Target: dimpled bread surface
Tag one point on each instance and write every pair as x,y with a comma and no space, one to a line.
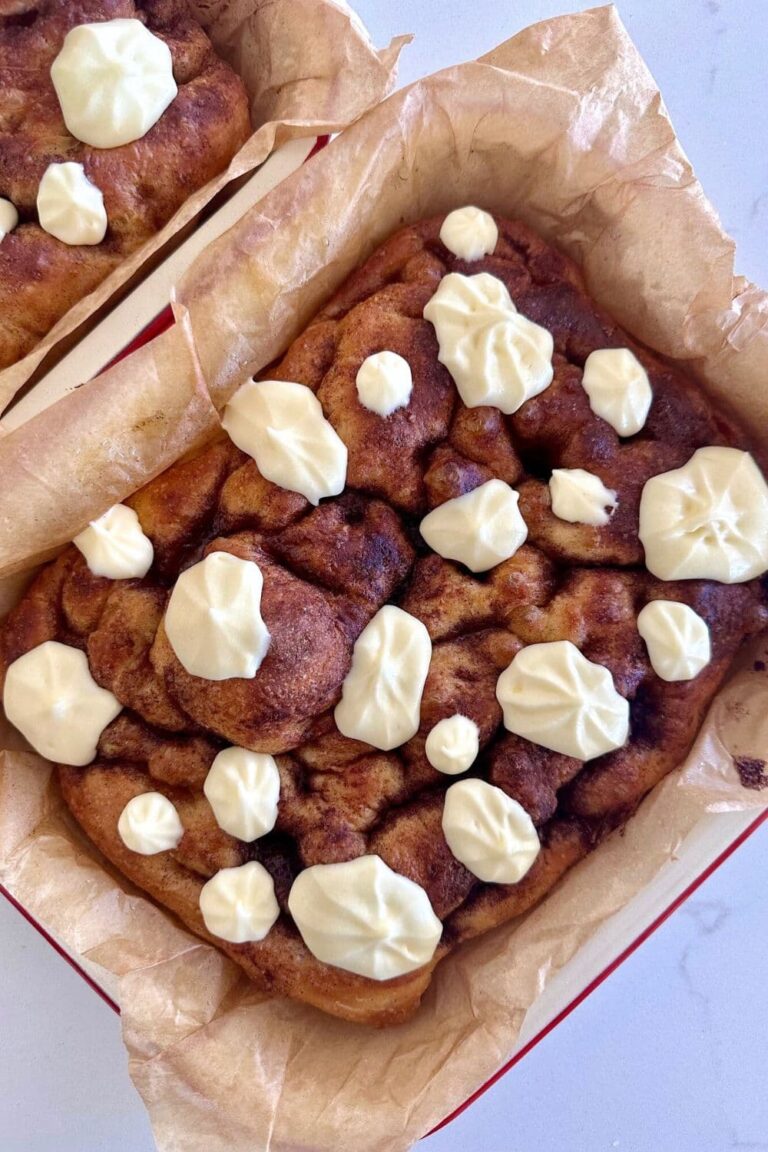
143,183
328,569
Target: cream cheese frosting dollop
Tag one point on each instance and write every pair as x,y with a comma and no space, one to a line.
9,217
707,520
488,832
677,639
149,824
580,497
239,904
363,917
479,529
69,206
213,619
282,426
384,383
469,233
554,696
243,788
452,744
495,355
114,79
381,695
115,546
53,700
618,388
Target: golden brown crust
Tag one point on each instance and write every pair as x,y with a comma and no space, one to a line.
143,183
309,656
327,570
119,653
280,963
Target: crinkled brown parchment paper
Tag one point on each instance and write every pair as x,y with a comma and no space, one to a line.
309,68
563,126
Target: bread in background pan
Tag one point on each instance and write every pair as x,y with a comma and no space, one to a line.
143,183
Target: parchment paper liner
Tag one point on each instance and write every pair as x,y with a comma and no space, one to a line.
309,68
564,126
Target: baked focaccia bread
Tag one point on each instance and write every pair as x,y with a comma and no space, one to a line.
141,183
451,593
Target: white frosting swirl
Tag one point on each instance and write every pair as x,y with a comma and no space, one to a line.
9,217
381,695
384,383
282,426
453,744
707,520
479,529
53,700
496,356
115,546
69,206
114,80
243,788
470,233
677,639
618,388
580,497
552,695
488,832
213,619
239,904
149,824
363,917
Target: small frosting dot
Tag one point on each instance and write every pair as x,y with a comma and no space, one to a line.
580,497
69,206
469,233
384,383
239,904
9,217
618,388
243,789
149,824
677,639
115,546
453,744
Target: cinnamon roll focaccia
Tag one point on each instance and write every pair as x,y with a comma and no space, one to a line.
142,182
447,598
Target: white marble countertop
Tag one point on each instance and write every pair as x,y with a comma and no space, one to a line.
669,1053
